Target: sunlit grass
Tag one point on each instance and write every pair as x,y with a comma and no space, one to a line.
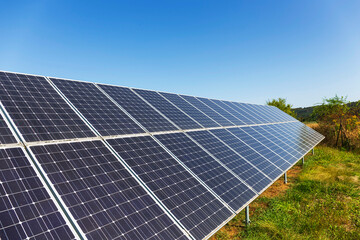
322,202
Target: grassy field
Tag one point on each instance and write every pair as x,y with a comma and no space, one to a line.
321,201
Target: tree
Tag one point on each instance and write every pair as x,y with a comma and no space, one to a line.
340,121
281,104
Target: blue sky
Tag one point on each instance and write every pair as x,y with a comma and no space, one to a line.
247,51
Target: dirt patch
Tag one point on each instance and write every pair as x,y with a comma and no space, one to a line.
278,187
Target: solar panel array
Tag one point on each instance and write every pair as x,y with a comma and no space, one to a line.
80,160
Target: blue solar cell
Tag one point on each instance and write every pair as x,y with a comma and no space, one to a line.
190,110
190,202
6,135
259,111
26,209
169,110
141,111
38,110
247,172
260,147
209,170
207,110
98,109
105,200
248,153
222,112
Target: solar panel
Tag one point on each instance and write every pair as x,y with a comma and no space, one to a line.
248,153
244,117
26,209
38,111
238,165
190,110
6,136
252,119
169,110
108,162
222,112
279,139
207,110
99,110
255,133
190,202
260,148
211,172
102,196
137,108
242,107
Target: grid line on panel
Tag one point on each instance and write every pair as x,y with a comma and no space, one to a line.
260,147
96,108
38,111
26,209
248,153
224,113
222,182
190,110
238,165
207,110
188,200
257,109
102,196
167,109
138,109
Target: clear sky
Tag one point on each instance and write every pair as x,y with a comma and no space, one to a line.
247,51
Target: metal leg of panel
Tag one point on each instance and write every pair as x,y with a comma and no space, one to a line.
247,217
285,178
313,152
303,160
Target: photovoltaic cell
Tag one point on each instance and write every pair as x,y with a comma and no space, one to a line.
38,110
105,200
260,147
248,108
26,209
190,202
207,110
221,111
6,135
210,171
138,109
98,109
169,110
247,172
258,110
248,153
190,110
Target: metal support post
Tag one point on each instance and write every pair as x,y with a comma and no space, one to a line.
303,160
313,152
247,218
285,178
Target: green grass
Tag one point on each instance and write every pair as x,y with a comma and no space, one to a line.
323,202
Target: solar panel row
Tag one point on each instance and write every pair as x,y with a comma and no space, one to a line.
190,177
